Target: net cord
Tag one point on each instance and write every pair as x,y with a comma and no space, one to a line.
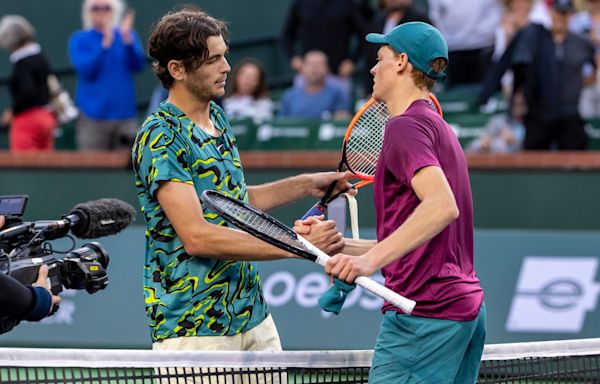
122,358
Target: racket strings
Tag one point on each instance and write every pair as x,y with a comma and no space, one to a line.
366,139
256,221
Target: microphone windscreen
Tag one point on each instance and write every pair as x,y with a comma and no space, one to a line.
102,217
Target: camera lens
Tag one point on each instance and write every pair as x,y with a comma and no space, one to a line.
93,251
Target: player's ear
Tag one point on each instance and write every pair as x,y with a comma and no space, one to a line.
401,61
176,69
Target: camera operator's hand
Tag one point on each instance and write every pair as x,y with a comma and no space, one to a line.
42,281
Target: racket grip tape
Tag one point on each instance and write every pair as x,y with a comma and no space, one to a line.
315,210
406,305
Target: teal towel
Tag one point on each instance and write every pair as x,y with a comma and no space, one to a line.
333,299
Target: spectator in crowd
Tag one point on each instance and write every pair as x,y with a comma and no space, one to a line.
504,132
587,23
518,14
317,99
468,27
247,95
31,120
550,68
327,26
105,55
516,17
391,14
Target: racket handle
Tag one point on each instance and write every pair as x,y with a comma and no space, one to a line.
315,210
406,305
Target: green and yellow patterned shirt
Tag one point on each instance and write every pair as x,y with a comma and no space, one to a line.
191,295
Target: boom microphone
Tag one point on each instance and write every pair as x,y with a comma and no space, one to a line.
100,218
89,220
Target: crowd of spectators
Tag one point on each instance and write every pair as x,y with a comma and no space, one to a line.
542,53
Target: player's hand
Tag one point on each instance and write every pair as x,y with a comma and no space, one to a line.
321,233
302,227
322,180
42,281
347,268
2,221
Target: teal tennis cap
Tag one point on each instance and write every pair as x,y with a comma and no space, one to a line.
420,41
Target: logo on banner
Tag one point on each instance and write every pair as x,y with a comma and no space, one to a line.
267,132
283,288
554,294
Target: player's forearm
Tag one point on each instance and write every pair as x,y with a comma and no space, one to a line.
277,193
428,219
357,247
223,243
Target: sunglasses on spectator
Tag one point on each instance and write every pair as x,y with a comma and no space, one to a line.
101,8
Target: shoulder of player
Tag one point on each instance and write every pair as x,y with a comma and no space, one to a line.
160,125
416,123
412,118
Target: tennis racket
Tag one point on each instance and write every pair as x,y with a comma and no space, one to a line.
361,147
267,228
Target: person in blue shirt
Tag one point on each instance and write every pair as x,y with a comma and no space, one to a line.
106,54
317,98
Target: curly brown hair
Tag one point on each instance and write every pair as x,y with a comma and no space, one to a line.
183,36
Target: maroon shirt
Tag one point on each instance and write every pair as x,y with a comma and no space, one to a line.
439,274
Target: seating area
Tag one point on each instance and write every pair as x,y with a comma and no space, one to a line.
459,107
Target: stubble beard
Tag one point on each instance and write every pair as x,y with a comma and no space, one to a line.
200,92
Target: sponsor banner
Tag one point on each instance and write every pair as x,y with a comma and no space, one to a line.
551,295
554,294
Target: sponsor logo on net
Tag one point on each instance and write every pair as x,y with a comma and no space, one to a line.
554,294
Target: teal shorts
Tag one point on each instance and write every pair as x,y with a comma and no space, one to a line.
412,349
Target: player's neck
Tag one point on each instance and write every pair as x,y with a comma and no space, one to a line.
403,98
197,110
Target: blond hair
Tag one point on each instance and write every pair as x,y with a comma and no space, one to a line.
118,8
15,32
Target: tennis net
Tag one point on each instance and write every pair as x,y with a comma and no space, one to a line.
571,361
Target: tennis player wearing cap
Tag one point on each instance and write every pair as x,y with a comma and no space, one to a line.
424,224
